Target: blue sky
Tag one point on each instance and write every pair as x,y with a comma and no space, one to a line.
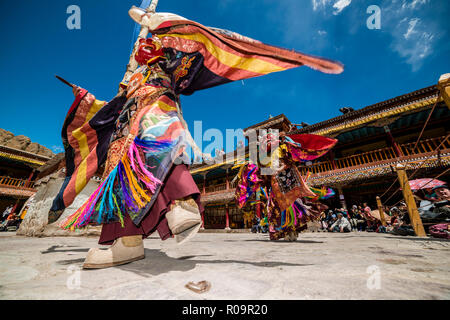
410,51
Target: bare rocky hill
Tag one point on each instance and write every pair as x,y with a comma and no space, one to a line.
23,143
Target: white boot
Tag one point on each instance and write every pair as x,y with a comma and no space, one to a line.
123,250
184,220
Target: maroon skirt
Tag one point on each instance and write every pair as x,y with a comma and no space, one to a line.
179,184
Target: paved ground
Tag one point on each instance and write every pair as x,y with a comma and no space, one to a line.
238,266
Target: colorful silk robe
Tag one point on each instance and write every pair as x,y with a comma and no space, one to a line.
86,134
149,135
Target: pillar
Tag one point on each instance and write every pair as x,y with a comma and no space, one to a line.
203,221
227,217
444,88
414,216
13,210
333,163
342,198
381,211
204,184
394,144
29,179
258,204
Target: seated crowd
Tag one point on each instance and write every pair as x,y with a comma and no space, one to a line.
433,206
10,219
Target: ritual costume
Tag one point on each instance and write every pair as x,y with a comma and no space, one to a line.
288,202
141,138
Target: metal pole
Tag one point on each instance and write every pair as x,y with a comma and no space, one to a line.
414,216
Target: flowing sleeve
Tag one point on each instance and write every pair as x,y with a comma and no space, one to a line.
86,133
203,57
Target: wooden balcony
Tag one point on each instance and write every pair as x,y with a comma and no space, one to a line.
380,155
218,188
425,146
16,183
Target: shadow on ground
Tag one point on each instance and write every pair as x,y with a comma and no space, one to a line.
52,249
277,242
157,262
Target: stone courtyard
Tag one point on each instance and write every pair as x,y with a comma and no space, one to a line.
238,266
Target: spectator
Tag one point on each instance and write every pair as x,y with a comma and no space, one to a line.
442,193
352,217
24,213
370,221
341,224
403,219
402,207
361,224
394,211
11,221
429,194
366,209
6,212
323,221
442,206
256,228
401,223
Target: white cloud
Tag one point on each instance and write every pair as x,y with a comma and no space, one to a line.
416,50
413,4
338,5
317,4
412,25
341,5
413,38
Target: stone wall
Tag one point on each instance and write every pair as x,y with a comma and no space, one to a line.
35,222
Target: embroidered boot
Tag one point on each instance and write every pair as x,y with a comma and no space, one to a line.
184,220
124,250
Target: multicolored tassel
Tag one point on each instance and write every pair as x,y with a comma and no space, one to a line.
322,193
126,190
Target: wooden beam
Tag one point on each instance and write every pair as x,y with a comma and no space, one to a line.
414,216
381,211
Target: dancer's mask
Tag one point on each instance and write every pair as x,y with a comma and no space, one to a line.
149,51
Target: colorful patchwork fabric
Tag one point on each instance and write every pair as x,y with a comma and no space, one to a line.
248,184
155,140
308,147
219,56
86,134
